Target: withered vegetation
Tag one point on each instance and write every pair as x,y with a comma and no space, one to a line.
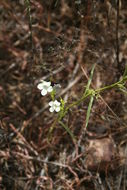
60,40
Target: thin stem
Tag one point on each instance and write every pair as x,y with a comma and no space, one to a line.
30,21
79,101
108,87
117,38
112,85
92,92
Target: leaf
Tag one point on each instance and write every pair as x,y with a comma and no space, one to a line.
90,79
67,129
125,72
124,90
89,110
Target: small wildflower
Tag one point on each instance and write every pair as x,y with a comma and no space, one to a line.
45,87
54,106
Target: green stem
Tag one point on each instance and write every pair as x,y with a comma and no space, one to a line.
91,92
79,101
110,86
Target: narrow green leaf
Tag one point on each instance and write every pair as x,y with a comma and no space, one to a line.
123,90
125,72
67,129
56,3
90,79
89,110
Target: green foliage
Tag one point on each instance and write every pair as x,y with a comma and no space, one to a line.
125,72
67,129
89,110
62,110
89,92
90,80
53,93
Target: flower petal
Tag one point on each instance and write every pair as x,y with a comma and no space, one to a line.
57,103
51,109
50,89
47,84
40,86
43,92
51,103
57,109
44,82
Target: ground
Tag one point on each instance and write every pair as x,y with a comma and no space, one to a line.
60,41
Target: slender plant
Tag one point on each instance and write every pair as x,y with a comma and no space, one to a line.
62,107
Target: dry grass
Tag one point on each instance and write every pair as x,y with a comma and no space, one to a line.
67,39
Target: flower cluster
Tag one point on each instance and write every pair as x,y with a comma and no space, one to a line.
45,88
54,106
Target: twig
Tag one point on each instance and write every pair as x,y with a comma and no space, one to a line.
119,180
23,139
54,72
28,6
70,85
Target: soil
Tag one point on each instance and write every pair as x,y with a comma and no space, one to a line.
60,41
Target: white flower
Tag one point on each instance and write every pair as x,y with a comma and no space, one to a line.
54,106
45,87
